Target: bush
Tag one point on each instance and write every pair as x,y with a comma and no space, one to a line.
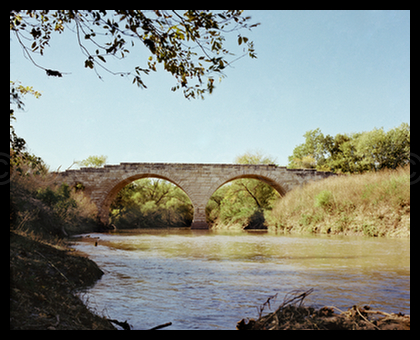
59,200
324,199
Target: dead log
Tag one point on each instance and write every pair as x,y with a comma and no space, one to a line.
161,326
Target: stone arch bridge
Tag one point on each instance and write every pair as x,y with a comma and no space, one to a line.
198,181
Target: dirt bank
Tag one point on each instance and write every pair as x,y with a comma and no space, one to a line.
43,280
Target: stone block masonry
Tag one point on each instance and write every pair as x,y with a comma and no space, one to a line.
198,181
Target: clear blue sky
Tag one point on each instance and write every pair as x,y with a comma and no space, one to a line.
341,71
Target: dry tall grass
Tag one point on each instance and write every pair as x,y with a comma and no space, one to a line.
30,214
372,204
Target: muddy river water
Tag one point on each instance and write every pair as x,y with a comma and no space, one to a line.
212,279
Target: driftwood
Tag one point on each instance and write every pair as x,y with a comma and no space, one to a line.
124,324
161,326
292,314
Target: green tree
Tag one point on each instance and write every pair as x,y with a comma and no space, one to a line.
398,140
254,157
310,154
378,149
190,44
93,161
356,153
151,203
371,150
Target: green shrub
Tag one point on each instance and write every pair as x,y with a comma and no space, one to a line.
324,199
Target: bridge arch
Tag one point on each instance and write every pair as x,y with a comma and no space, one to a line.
114,188
281,188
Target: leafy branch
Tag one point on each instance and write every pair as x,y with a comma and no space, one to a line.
190,45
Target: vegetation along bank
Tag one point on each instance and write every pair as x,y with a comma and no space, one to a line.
370,204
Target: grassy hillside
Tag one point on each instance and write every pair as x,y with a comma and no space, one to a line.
371,204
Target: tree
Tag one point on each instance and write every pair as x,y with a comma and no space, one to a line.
310,154
151,203
18,151
254,157
17,91
378,149
356,153
189,44
398,140
93,161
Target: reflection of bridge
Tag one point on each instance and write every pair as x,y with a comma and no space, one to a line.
198,181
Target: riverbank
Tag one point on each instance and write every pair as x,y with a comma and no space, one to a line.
371,204
43,282
293,315
44,272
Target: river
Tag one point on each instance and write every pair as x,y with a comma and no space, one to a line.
212,279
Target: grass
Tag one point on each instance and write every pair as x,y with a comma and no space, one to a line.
370,204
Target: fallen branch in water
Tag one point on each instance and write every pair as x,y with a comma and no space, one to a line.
124,324
161,326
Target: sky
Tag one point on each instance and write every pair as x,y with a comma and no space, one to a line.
340,71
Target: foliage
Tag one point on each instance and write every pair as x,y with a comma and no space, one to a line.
324,199
254,157
151,203
93,161
17,90
356,153
39,206
244,201
189,44
371,204
18,152
59,200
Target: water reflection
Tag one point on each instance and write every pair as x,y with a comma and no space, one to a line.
210,280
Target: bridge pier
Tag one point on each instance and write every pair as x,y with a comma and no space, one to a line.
199,221
199,225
